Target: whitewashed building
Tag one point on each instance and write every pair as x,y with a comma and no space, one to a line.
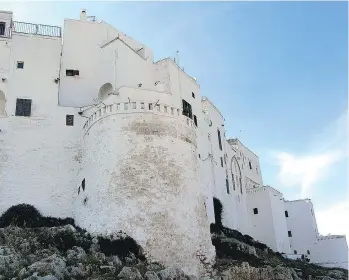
92,128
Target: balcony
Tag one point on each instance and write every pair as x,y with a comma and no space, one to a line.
31,28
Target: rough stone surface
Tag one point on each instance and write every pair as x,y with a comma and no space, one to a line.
150,275
130,273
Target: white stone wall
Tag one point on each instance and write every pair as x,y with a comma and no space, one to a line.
302,224
330,251
141,172
39,155
269,224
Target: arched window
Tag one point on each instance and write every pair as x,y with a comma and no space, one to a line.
2,103
104,91
235,169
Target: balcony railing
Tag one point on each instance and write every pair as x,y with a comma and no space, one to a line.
36,29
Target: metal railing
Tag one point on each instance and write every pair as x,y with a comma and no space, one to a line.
36,29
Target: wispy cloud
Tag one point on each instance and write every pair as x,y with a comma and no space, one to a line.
332,220
305,170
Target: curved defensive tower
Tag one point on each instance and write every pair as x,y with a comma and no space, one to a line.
140,175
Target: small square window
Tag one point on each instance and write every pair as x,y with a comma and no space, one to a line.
69,120
76,72
286,214
172,111
142,105
193,94
69,72
20,64
150,106
289,233
199,156
255,211
295,252
165,109
221,161
158,107
23,107
126,106
134,106
308,252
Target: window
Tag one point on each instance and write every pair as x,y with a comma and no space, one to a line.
158,107
69,120
219,139
199,156
240,185
227,185
83,184
134,105
71,72
255,211
23,107
225,160
165,109
286,214
232,176
187,111
20,64
193,94
142,105
295,251
221,161
2,28
150,106
195,120
289,233
249,163
308,252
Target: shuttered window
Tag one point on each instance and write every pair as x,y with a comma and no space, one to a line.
23,107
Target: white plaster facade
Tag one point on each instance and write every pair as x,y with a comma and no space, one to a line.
134,158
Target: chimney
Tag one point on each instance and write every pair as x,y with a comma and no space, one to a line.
83,16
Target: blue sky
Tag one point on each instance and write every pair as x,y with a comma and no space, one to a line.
278,71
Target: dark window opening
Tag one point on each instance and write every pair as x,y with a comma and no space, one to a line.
308,252
199,156
295,251
195,120
20,64
219,139
2,28
71,72
69,120
240,185
78,190
221,161
83,184
193,94
227,185
249,163
289,233
232,176
225,160
255,211
187,111
23,107
286,214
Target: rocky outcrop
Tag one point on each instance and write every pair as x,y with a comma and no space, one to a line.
39,251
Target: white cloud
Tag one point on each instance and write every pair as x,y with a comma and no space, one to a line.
304,171
332,220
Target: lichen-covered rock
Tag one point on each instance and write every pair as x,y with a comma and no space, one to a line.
150,275
9,261
171,273
76,254
130,273
54,265
107,269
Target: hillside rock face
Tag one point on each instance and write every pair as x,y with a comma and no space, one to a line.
64,252
33,247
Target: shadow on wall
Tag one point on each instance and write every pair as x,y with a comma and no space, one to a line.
218,211
104,91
